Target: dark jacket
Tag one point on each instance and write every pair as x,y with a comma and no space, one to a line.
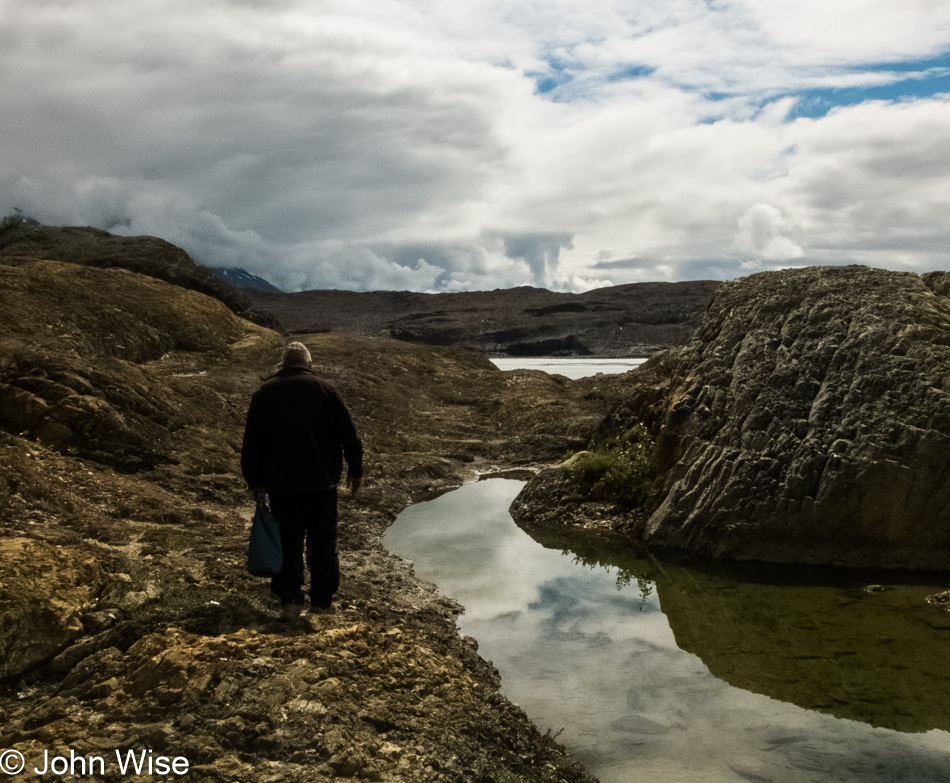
298,431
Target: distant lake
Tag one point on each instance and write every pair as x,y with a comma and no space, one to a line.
675,671
581,367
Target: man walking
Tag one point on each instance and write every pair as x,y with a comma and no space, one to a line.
297,434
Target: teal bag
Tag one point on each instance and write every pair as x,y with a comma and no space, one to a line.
265,557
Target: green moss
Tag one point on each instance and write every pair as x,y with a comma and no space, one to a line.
621,470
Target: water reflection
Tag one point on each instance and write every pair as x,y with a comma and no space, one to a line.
824,639
704,689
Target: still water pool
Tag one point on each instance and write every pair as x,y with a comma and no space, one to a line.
666,670
580,367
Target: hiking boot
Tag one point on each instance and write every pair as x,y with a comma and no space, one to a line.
321,606
290,612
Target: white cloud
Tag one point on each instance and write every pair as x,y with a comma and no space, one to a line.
381,143
871,180
761,234
850,31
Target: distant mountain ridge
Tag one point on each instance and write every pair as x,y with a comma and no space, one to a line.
241,278
627,320
637,319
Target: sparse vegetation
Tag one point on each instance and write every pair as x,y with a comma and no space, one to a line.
621,470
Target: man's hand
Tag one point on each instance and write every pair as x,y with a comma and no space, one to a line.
260,495
354,484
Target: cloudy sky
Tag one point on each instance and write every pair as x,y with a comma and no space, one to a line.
477,144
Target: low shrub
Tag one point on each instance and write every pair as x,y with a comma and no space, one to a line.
621,470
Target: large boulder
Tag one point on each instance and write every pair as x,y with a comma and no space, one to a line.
807,421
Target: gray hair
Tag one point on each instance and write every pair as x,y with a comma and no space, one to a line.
296,355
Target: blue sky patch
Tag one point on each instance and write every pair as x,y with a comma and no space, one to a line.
559,73
925,78
633,72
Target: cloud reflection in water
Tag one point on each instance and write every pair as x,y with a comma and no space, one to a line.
578,648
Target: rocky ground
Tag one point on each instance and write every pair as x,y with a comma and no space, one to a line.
807,421
126,617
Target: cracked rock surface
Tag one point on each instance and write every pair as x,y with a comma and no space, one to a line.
807,421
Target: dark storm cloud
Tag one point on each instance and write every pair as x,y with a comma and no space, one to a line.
540,250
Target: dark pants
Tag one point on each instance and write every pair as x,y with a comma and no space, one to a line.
312,517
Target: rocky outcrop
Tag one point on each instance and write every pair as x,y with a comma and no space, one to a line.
938,282
626,320
146,255
75,347
807,421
